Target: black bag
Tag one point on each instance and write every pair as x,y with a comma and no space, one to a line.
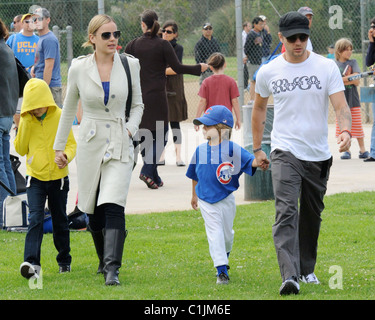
20,180
23,77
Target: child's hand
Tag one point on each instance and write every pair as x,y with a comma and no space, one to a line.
61,159
194,203
261,160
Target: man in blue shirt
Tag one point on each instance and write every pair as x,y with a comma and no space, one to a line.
24,46
47,64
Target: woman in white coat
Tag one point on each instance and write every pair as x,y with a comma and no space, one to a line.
104,147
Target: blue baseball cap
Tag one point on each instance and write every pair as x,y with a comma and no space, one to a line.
215,115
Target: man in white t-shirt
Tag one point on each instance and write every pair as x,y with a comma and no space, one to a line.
302,83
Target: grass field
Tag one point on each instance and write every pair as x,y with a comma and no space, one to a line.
166,258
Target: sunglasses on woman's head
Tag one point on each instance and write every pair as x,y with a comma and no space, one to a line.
167,31
107,35
303,37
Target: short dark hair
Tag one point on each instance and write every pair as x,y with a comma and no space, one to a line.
171,23
256,20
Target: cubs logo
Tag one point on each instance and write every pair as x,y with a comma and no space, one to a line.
224,172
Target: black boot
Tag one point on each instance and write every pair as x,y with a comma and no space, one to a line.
113,247
98,238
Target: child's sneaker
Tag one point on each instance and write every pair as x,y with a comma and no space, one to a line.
363,155
346,156
28,270
222,278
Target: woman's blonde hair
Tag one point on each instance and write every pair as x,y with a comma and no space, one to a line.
95,23
341,45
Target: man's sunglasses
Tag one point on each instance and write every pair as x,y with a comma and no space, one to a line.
372,27
207,28
37,19
167,31
292,39
107,35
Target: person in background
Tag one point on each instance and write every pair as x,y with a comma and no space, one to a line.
331,51
16,24
9,91
267,39
177,105
155,55
219,89
24,45
47,63
254,51
349,67
206,46
246,27
370,60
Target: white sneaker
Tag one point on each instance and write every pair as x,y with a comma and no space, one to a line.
28,270
310,278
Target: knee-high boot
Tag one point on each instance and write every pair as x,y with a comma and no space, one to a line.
98,238
114,240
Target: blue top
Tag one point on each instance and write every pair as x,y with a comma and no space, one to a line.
24,48
217,169
48,48
106,91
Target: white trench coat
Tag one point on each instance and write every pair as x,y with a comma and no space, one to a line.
104,149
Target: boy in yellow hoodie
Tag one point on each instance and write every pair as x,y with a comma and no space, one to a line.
45,180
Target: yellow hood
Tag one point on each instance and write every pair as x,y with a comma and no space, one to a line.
36,94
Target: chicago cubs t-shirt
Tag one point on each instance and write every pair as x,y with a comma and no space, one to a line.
217,169
301,98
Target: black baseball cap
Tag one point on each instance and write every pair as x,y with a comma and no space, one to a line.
293,23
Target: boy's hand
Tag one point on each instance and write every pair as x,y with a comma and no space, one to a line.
194,203
261,160
61,159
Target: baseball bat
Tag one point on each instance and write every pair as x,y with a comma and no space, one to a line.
361,75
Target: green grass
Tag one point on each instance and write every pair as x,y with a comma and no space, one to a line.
166,257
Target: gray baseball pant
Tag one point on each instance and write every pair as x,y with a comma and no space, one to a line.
295,232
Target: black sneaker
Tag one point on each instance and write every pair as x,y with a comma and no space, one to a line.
370,159
64,269
222,278
289,286
28,270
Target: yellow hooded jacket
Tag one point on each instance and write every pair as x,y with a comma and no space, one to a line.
35,137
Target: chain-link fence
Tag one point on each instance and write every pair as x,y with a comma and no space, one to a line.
331,21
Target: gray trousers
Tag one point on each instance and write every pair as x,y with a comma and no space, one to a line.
296,231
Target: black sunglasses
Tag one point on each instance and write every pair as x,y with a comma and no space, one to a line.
167,31
372,27
107,35
207,28
303,37
37,19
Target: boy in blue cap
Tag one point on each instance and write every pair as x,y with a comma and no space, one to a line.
215,170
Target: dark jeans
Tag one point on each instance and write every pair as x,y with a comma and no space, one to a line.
56,192
152,150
